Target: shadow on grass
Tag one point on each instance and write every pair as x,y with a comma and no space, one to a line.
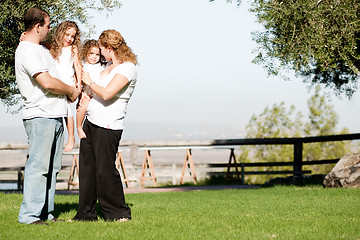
316,179
64,208
61,208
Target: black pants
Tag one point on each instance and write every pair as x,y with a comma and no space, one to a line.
99,179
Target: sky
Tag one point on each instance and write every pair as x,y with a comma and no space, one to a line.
195,67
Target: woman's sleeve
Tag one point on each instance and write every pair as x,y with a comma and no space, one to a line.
128,70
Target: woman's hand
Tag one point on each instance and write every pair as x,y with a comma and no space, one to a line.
86,79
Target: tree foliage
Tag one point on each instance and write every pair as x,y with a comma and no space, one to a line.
274,122
278,122
322,120
11,27
318,39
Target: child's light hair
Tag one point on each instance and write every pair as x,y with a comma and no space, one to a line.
88,45
113,39
58,38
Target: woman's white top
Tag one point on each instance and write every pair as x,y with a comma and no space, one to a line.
110,114
65,66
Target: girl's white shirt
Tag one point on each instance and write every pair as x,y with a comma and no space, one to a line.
65,66
94,70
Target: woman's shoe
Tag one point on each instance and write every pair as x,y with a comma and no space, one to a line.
123,220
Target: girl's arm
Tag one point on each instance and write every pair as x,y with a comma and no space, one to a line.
77,66
44,43
116,84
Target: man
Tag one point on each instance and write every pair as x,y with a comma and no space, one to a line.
43,110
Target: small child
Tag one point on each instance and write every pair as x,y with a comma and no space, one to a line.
91,56
65,50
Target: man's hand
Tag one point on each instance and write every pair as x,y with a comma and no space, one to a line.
74,94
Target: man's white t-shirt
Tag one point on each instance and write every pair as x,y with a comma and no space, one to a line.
110,114
30,59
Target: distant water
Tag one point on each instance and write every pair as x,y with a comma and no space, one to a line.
148,131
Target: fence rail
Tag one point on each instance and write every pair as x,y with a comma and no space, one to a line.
231,144
218,143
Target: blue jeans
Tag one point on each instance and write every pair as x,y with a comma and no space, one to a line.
45,136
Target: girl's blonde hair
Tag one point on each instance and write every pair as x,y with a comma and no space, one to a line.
58,39
112,39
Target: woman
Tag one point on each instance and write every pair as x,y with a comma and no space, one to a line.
99,178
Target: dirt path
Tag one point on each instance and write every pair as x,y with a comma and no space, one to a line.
170,189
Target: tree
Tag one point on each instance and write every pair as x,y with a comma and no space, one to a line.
322,121
277,122
319,40
11,24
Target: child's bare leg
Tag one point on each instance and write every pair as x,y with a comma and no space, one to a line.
80,116
71,139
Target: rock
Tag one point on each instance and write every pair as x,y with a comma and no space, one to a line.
346,173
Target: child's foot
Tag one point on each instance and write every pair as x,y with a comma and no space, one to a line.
70,144
81,133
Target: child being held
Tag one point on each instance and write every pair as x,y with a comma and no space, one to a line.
91,56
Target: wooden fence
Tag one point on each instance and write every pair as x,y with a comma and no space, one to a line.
231,144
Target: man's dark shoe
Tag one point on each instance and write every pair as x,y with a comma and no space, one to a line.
57,220
39,222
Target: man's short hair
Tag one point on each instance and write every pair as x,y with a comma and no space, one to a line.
34,16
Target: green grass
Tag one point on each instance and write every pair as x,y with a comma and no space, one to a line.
267,213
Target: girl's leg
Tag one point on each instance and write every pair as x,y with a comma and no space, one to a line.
80,116
71,139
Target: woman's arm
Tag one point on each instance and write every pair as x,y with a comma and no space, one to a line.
116,84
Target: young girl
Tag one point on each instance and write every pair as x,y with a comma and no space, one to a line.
91,56
65,50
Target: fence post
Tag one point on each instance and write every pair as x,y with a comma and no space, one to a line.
20,180
133,156
242,173
298,147
174,174
133,153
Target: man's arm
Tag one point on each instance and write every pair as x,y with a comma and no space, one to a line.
54,85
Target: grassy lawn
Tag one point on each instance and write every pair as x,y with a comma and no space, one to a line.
280,212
